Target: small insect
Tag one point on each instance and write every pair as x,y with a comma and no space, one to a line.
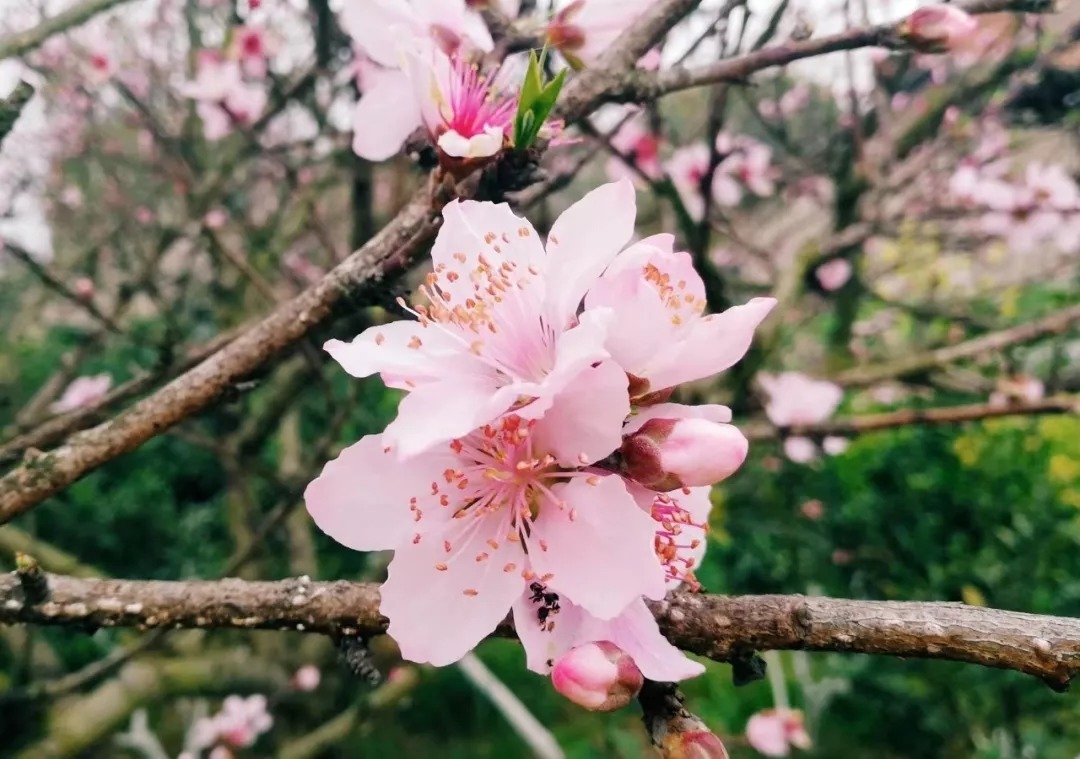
548,605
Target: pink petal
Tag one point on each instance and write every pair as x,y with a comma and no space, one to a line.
714,344
584,422
712,412
404,352
543,645
801,450
362,497
441,411
635,631
641,328
442,603
766,733
377,27
471,229
600,550
385,116
583,241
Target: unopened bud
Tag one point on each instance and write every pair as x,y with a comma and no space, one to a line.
666,454
83,287
937,28
598,676
693,744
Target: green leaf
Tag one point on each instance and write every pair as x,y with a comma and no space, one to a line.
536,101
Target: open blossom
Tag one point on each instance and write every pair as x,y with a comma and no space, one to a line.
795,400
380,29
746,165
467,114
83,391
307,678
583,29
502,329
659,332
750,163
223,97
774,732
477,521
251,46
599,676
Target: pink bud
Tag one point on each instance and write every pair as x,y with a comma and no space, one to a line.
666,454
937,28
83,287
599,676
307,678
694,744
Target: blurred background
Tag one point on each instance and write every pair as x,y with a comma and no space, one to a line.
898,204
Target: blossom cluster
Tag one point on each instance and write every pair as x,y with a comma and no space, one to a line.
536,464
238,724
228,87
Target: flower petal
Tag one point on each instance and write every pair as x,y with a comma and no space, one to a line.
403,352
441,411
712,412
599,550
584,422
545,643
386,114
362,498
714,344
442,602
635,631
376,26
583,241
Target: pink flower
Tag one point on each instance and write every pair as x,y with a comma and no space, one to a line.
502,329
242,720
795,399
251,46
687,168
694,744
382,28
774,732
465,113
750,164
475,524
937,28
813,510
100,67
583,29
215,218
669,447
659,333
598,676
83,287
224,99
834,274
300,267
307,678
83,391
637,142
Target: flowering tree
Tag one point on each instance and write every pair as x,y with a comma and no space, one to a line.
616,265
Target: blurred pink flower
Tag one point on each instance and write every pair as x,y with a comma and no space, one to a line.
215,218
100,67
834,274
636,141
813,510
937,28
251,46
774,732
83,287
584,29
224,99
307,678
83,391
795,399
382,29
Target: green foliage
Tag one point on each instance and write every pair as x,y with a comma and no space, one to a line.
536,101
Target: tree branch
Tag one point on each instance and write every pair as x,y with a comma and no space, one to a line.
719,627
1058,404
23,42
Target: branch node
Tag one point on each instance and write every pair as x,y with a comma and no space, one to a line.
35,585
677,732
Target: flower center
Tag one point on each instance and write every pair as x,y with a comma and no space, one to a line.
676,533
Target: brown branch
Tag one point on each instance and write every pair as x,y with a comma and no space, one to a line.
719,627
19,43
651,85
1059,404
1053,324
46,474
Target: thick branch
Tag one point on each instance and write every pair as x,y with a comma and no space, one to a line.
1058,404
19,43
12,106
1054,324
46,474
719,627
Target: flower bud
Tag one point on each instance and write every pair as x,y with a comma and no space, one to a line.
937,28
83,287
599,676
307,678
666,454
694,744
